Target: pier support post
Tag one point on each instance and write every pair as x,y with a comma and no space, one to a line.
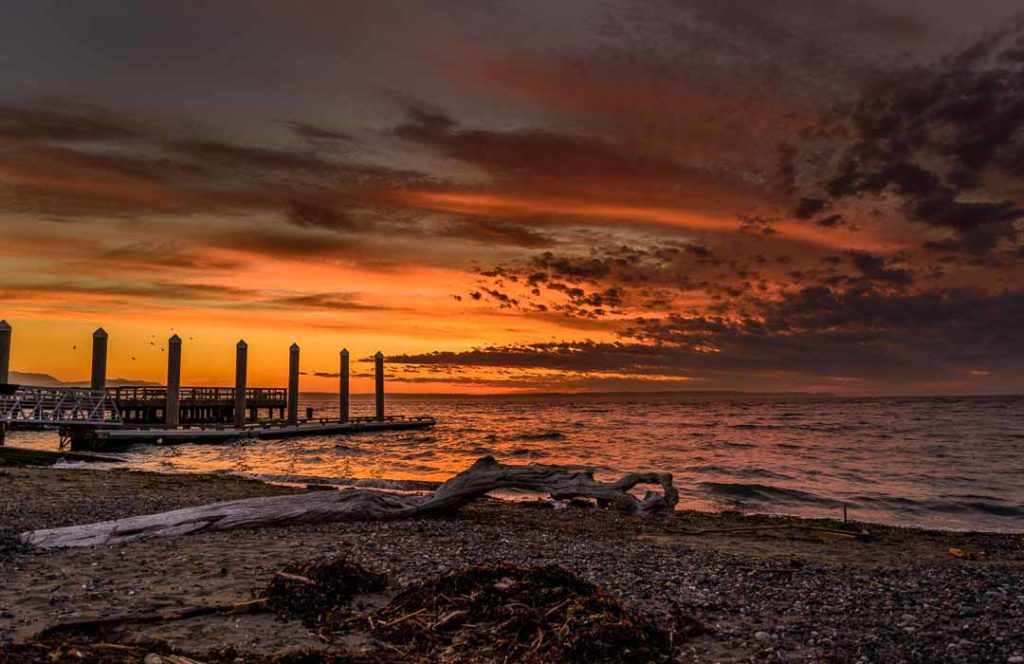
343,385
293,384
5,352
99,360
241,360
378,366
172,411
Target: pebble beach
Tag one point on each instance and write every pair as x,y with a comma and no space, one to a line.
761,588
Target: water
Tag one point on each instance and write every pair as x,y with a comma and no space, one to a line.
936,462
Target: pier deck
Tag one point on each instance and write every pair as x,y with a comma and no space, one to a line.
116,439
147,404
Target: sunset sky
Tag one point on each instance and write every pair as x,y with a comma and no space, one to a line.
519,196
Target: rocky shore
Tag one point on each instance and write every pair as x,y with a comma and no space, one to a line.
760,588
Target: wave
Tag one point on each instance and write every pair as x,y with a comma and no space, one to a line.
974,504
764,493
541,435
980,506
346,450
738,472
364,483
525,452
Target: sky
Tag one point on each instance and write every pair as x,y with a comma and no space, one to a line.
608,195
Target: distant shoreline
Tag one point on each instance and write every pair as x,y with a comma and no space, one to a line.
709,393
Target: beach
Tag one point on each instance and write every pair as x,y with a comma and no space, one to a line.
759,588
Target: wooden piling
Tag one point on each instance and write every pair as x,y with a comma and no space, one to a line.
241,360
343,380
378,366
293,383
99,360
172,412
5,352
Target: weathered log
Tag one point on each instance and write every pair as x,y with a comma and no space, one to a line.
482,477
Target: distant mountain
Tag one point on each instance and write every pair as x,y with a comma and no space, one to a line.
46,380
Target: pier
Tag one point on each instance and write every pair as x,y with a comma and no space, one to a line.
196,405
113,418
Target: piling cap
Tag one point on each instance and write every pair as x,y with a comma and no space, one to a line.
379,355
293,347
242,344
174,339
344,351
5,326
100,333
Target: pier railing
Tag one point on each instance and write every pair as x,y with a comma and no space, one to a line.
281,423
58,405
197,395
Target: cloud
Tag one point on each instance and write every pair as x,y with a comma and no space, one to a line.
941,139
565,163
316,133
811,336
879,268
70,123
196,294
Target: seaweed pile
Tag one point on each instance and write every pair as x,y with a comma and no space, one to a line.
315,591
511,613
498,613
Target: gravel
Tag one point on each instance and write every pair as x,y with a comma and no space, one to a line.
768,596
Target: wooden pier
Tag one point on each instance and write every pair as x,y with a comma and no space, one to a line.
102,418
197,405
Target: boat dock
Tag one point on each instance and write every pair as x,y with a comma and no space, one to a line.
119,439
115,418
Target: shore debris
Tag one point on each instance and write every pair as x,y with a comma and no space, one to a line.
495,613
314,590
512,613
484,476
964,554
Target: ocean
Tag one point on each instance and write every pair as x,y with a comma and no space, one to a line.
946,462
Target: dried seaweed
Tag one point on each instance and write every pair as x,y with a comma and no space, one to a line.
496,613
511,613
312,590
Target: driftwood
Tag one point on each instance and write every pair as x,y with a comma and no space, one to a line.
482,477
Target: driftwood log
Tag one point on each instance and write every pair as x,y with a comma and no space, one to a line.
484,476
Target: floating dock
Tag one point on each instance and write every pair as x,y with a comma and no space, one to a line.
120,439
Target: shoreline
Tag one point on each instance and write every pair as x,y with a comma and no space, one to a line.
766,595
419,486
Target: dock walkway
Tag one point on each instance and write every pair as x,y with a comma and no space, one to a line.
119,439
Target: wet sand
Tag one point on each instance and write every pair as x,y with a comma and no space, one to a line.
787,594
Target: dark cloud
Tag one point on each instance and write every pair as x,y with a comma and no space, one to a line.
64,123
878,268
197,294
315,133
313,215
831,221
496,231
814,334
567,163
940,138
244,158
318,301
